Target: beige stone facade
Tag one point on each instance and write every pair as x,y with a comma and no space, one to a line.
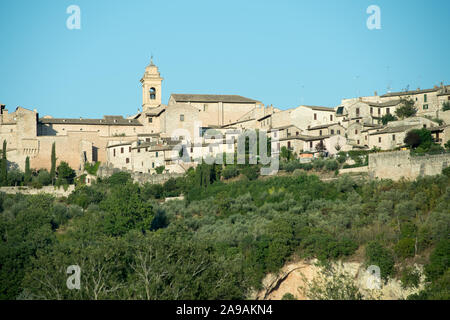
153,137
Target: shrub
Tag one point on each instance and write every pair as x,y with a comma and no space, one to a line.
160,169
318,164
331,165
251,172
119,178
288,296
446,106
439,260
377,255
44,177
388,118
410,277
405,248
230,172
446,171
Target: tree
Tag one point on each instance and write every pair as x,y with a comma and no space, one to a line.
53,165
27,177
4,167
65,173
388,118
419,138
320,147
407,109
286,154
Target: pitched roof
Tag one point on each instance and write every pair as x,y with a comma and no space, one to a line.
107,120
212,98
390,103
407,93
394,129
319,108
304,138
324,126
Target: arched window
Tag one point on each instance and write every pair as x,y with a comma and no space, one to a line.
152,93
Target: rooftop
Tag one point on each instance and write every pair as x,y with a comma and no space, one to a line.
212,98
107,120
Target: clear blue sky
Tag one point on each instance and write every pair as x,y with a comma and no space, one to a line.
284,53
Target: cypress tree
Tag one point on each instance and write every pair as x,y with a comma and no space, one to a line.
4,168
27,176
53,167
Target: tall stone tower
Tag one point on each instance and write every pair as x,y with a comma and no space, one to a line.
151,87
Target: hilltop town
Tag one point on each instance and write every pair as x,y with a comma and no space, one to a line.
147,140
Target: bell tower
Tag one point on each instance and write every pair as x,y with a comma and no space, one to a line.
151,87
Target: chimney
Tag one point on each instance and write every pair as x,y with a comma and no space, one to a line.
375,94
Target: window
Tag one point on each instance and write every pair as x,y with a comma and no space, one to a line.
205,106
147,139
365,138
315,116
320,132
181,117
192,149
150,120
356,131
371,110
289,144
425,98
310,144
157,154
379,111
388,111
121,150
425,107
332,131
275,134
393,137
379,139
331,117
127,160
357,121
152,93
114,152
139,150
153,165
296,133
129,149
357,112
278,146
357,141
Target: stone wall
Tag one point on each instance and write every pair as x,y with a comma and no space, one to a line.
397,164
105,171
57,192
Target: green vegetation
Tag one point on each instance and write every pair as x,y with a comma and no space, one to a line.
160,169
92,168
446,106
407,109
27,176
4,167
223,238
421,141
388,118
53,164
